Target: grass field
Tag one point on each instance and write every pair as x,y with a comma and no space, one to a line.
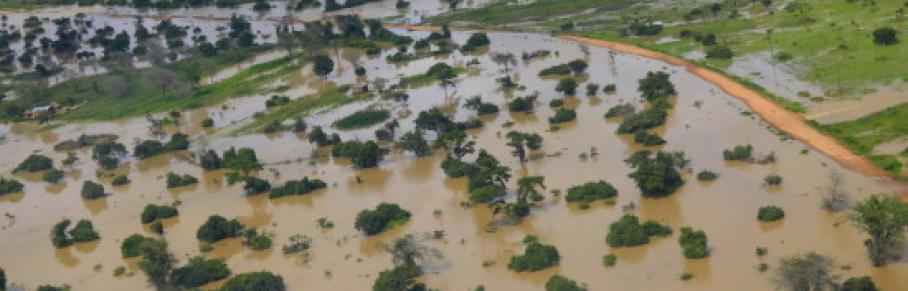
302,107
502,13
865,134
362,118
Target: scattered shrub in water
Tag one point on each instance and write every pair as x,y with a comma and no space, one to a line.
590,191
401,278
297,187
120,180
52,176
208,123
562,69
656,176
536,257
255,281
476,40
693,243
738,153
609,260
770,213
656,85
217,228
153,212
254,186
174,180
133,244
199,271
256,240
859,284
568,86
561,283
298,243
648,139
556,103
8,186
592,89
628,232
772,180
92,190
563,115
707,175
84,231
522,104
610,88
34,163
361,154
486,194
621,110
383,217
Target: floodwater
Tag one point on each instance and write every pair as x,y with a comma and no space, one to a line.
704,122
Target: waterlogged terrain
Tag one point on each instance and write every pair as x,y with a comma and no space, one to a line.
476,247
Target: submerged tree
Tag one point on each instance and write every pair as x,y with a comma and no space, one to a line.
884,218
807,272
656,85
521,141
413,141
656,176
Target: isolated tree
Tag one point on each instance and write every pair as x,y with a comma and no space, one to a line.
577,66
807,272
884,218
561,283
521,141
568,86
835,197
157,263
656,85
322,65
504,59
656,175
255,281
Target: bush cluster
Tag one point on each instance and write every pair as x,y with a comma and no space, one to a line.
536,257
174,180
628,232
152,212
383,217
590,191
693,243
770,213
84,231
217,228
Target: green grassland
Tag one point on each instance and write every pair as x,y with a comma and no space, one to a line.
864,134
302,107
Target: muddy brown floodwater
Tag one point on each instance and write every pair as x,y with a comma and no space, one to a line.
705,121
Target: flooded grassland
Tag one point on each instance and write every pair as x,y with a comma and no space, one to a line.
704,121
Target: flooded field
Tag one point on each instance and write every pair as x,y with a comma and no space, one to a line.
704,122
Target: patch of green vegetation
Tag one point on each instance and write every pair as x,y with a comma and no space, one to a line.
427,78
362,118
503,13
536,257
770,213
301,107
864,134
628,232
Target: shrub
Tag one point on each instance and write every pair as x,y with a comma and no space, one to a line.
200,271
120,180
132,246
855,284
256,240
384,216
649,118
556,103
578,66
298,243
362,118
609,260
255,281
92,190
610,88
562,69
706,175
361,154
297,187
620,110
52,176
719,52
208,123
8,186
590,191
563,115
178,142
536,257
276,100
210,160
148,148
770,213
153,212
453,168
217,228
2,279
255,185
401,278
476,40
738,153
885,36
693,243
648,139
486,194
83,232
34,163
628,232
592,89
174,180
522,104
561,283
772,180
482,108
568,86
656,85
656,176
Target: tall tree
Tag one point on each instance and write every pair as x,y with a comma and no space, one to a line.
884,218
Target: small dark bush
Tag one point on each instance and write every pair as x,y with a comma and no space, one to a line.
297,187
92,190
384,216
217,228
153,212
590,191
174,180
770,213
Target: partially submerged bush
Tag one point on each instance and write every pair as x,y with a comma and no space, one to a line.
656,176
361,154
563,115
256,240
590,191
84,231
174,180
8,186
401,278
628,232
120,180
648,139
522,104
34,163
52,176
770,213
297,187
217,228
152,212
738,153
707,175
132,246
199,271
255,281
476,40
92,190
536,257
385,216
693,243
362,118
621,110
561,283
772,180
